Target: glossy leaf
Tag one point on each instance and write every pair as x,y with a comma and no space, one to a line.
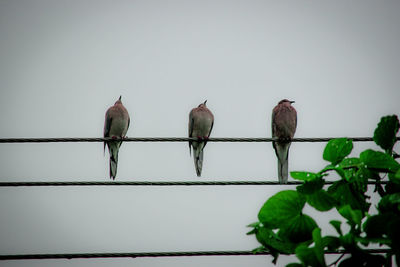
361,176
281,208
347,240
307,256
349,167
321,200
337,149
305,176
336,224
299,229
344,193
397,176
331,242
318,246
271,241
349,162
389,203
385,133
353,216
377,160
311,186
376,225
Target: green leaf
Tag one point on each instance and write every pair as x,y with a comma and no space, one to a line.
349,167
260,249
353,216
281,208
336,224
306,256
347,240
305,176
377,160
254,224
311,186
335,168
252,231
360,178
313,256
294,265
318,246
385,133
345,193
389,203
349,163
337,149
321,200
299,229
273,242
376,225
331,242
396,177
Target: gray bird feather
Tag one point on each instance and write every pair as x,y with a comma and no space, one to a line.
284,122
201,122
116,125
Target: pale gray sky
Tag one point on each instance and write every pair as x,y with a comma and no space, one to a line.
63,63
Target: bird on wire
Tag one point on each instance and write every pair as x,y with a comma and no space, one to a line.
284,122
115,126
201,122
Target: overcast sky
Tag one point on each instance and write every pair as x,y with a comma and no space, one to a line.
63,63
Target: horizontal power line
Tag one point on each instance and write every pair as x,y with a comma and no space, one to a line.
162,183
154,254
171,139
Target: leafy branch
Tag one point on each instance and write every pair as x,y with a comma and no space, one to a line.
283,227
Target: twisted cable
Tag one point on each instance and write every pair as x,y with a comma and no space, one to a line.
155,254
160,183
170,139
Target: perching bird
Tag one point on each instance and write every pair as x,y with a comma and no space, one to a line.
201,122
284,122
115,126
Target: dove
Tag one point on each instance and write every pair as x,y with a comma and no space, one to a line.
115,126
284,122
201,122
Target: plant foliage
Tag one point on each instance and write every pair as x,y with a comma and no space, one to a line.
283,227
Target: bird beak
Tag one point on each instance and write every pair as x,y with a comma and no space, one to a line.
120,97
291,102
205,102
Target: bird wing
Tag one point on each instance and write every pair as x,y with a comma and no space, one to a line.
273,123
107,124
190,129
212,125
107,127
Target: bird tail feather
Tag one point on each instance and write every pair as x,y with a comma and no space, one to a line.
113,148
198,159
283,171
282,151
